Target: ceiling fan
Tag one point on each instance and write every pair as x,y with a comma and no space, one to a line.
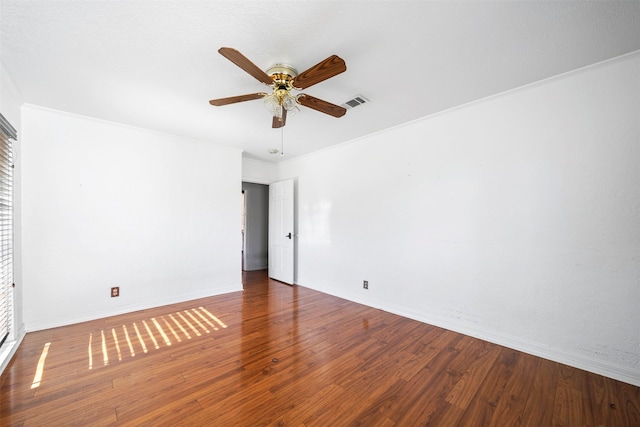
284,79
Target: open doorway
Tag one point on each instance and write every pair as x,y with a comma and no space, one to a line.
255,226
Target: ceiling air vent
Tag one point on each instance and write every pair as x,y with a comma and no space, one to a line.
356,101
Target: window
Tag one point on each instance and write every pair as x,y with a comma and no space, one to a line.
7,132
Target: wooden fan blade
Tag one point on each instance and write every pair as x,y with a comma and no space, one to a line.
278,123
243,62
320,105
330,67
240,98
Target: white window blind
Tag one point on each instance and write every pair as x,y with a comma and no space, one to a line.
7,132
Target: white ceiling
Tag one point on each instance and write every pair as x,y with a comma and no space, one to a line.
154,64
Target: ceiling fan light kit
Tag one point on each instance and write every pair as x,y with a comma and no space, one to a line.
281,103
283,79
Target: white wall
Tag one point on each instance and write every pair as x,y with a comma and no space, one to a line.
10,103
258,172
515,219
108,205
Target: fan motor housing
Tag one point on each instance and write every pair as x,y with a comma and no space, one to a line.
282,75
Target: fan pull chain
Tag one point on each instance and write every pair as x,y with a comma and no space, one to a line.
282,141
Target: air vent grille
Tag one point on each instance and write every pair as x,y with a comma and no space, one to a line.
355,102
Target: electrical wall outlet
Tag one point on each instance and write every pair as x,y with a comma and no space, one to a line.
115,291
365,284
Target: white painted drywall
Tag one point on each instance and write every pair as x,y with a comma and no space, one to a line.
109,205
258,172
10,103
515,219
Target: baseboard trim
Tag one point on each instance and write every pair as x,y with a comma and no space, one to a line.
614,371
617,372
42,324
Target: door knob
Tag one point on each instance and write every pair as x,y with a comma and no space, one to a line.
288,235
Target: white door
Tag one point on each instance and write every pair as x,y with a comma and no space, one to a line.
281,231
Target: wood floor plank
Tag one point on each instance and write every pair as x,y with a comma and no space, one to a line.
510,408
540,403
466,388
491,390
434,383
283,355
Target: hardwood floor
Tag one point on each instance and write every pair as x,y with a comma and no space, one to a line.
281,355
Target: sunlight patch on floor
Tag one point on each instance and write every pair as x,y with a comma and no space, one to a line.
40,368
143,335
126,335
90,352
149,334
159,328
193,328
215,319
115,339
105,355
